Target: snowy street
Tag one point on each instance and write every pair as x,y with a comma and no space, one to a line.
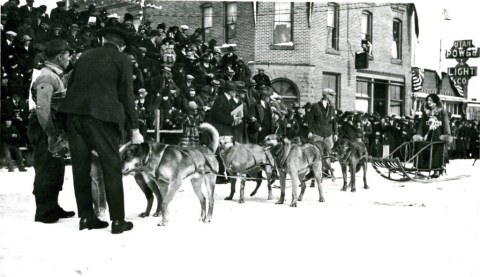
392,229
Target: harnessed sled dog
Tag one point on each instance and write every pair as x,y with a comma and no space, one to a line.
352,156
169,165
245,159
296,161
326,154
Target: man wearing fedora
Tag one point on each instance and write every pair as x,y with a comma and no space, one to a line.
72,16
99,107
72,36
224,104
229,59
27,10
321,121
58,14
221,117
264,114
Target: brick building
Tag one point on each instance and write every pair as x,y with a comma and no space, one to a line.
307,46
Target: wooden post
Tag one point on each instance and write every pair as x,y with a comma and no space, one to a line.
157,125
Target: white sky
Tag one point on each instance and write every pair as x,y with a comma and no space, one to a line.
464,24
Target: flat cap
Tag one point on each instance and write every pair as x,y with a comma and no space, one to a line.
328,91
55,47
26,38
215,83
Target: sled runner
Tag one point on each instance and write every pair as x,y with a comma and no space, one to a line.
414,161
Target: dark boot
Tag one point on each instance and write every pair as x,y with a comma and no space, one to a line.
119,226
92,223
45,213
60,211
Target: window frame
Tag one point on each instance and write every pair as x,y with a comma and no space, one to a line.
399,39
396,101
364,97
369,28
333,41
291,22
337,77
233,39
204,37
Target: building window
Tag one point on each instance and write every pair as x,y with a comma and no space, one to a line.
231,23
366,32
363,96
396,100
332,26
332,81
207,14
282,24
397,40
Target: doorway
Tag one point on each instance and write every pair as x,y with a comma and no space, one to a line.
380,93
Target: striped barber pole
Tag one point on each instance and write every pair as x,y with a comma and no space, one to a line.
417,78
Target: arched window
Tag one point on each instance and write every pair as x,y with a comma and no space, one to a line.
287,89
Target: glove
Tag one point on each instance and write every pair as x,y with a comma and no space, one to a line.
446,138
137,138
417,138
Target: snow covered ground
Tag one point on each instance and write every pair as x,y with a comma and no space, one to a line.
392,229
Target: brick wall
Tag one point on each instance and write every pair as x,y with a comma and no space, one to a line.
309,58
176,13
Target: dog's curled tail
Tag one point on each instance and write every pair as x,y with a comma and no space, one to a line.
206,127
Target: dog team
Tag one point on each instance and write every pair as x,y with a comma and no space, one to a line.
98,110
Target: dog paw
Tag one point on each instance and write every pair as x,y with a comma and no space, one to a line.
353,190
343,189
300,199
162,223
321,199
143,215
293,205
279,202
228,198
156,214
366,187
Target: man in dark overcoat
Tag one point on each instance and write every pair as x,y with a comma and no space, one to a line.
264,114
99,106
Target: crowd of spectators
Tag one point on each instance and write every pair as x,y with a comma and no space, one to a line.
182,76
